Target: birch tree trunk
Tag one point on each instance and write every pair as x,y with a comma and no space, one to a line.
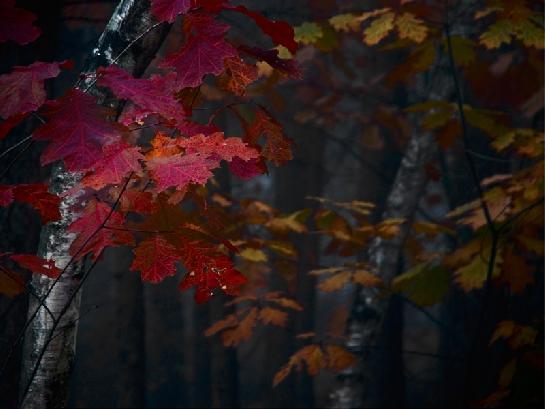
384,256
46,380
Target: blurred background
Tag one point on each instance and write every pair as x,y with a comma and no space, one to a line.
143,345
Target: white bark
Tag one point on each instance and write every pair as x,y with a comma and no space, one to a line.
46,373
384,256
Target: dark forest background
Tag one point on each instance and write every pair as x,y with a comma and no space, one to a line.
142,345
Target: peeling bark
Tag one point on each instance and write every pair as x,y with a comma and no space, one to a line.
49,384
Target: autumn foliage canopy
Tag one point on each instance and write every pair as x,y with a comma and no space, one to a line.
157,194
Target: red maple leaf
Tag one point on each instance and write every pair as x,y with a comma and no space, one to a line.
22,90
168,10
153,95
208,270
37,195
155,258
216,146
135,201
93,234
10,123
238,75
279,31
277,146
37,264
16,24
288,67
193,128
117,160
201,55
204,24
6,195
180,170
77,130
247,169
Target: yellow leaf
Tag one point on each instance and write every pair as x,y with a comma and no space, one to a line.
323,271
497,34
530,34
366,279
495,399
524,335
368,14
504,329
283,248
228,322
264,69
516,272
419,60
281,374
336,282
308,33
251,254
473,275
428,106
379,29
431,228
292,222
389,228
485,120
410,27
463,50
241,299
345,22
273,316
463,255
311,355
285,302
242,332
436,119
284,53
507,373
306,335
498,202
338,359
221,200
485,12
423,284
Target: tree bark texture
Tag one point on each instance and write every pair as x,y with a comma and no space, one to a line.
48,385
384,256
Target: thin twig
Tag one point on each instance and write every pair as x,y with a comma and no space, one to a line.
70,262
473,351
15,146
53,328
116,59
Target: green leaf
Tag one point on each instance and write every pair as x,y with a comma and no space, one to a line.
463,50
423,284
308,33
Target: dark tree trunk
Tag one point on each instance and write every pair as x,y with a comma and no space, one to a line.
224,367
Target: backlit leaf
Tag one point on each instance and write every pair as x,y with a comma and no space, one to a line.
411,27
36,264
273,316
22,90
76,130
17,24
155,258
423,284
379,29
308,33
